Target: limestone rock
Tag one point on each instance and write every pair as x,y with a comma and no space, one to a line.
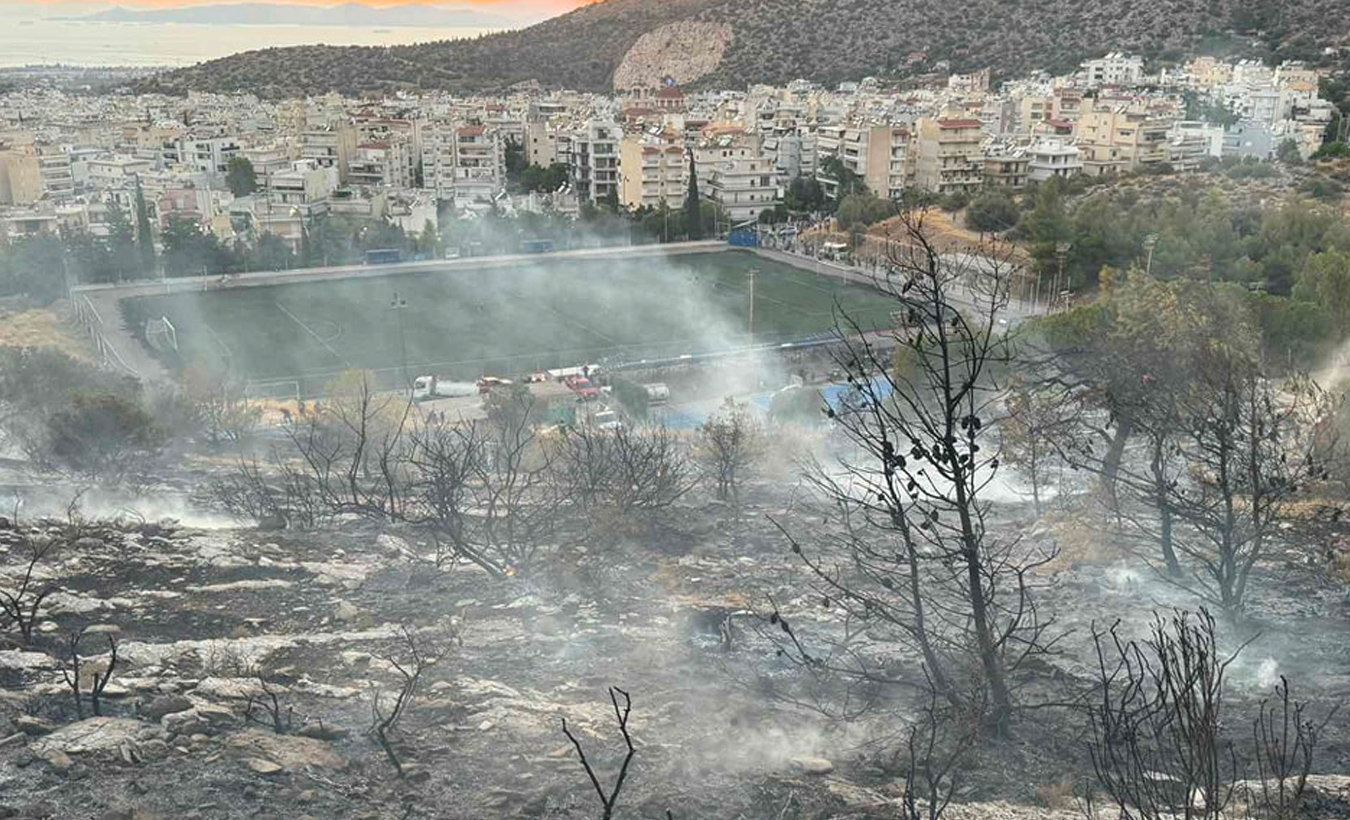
812,765
58,760
33,727
163,705
204,719
95,734
291,752
261,766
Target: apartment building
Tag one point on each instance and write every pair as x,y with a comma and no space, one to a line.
20,174
330,146
1118,136
268,160
296,196
116,172
653,168
877,154
1006,168
736,174
438,157
210,155
382,164
949,157
58,178
1114,69
479,171
591,150
1052,157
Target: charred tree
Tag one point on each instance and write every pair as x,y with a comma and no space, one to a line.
906,551
609,798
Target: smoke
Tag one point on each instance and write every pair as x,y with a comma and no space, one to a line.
51,500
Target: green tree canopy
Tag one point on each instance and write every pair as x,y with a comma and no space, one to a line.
240,176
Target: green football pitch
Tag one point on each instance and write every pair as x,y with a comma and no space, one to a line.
463,322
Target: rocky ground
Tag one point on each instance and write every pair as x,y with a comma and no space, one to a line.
210,624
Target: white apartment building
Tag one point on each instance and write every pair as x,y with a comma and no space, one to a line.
268,160
735,173
1053,157
1114,69
210,155
114,172
479,170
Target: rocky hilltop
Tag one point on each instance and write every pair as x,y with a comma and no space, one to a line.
732,43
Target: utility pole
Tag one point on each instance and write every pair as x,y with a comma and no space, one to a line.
398,305
1150,242
1061,283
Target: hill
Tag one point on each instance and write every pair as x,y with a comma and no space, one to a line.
732,43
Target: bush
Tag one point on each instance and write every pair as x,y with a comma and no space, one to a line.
954,201
102,433
992,213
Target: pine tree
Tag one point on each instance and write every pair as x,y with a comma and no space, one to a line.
693,209
145,240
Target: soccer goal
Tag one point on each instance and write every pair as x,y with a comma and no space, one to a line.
161,335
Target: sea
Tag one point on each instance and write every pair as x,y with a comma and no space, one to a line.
83,43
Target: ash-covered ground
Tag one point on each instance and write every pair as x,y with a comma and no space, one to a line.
212,623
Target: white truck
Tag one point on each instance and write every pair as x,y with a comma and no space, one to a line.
426,388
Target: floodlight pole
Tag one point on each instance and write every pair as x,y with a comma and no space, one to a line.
398,305
750,325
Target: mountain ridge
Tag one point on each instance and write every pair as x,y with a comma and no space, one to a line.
779,40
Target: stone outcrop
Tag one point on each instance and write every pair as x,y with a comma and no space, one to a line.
684,52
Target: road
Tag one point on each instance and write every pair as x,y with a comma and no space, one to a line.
1015,312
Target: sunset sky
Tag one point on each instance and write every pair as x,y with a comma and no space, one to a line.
554,6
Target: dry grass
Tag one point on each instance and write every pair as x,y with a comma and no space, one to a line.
41,328
1080,540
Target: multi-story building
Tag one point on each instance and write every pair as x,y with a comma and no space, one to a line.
592,152
1051,157
653,168
382,164
20,174
479,170
210,155
1006,168
330,146
116,172
58,178
295,197
268,160
735,173
949,157
1117,136
1113,69
877,154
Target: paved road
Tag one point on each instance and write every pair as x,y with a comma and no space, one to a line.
1015,312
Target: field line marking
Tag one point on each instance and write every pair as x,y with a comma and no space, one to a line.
314,335
574,321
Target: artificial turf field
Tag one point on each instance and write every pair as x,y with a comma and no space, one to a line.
461,323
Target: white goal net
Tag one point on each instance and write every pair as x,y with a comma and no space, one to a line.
161,335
